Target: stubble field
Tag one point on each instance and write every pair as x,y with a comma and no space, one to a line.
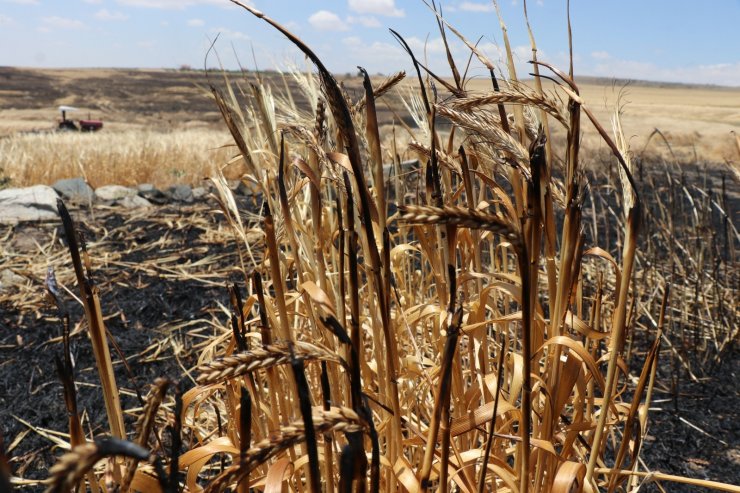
164,277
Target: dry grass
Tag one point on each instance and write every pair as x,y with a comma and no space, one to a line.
479,340
697,120
129,157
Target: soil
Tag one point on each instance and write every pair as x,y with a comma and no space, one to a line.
152,98
694,428
161,278
153,315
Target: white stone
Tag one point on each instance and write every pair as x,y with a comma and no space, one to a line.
199,193
114,192
134,202
37,203
74,190
181,193
8,279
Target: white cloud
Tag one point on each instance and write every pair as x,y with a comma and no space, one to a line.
352,41
5,20
376,56
378,7
107,15
562,58
364,21
93,2
225,32
146,44
727,74
63,23
524,53
177,4
492,51
477,7
195,22
388,57
600,55
323,20
24,2
430,46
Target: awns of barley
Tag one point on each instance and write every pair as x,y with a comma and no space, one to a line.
442,157
145,422
486,129
72,466
338,419
461,216
385,86
521,96
262,358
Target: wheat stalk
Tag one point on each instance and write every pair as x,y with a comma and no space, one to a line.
385,86
72,466
520,95
463,217
336,419
490,133
269,356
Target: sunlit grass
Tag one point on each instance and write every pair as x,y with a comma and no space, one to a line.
107,157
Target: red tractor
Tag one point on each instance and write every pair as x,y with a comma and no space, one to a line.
84,125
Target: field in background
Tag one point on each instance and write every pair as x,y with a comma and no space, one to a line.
696,120
161,127
127,157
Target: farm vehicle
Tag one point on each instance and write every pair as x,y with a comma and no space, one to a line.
88,125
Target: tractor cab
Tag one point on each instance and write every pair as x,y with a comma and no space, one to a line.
88,125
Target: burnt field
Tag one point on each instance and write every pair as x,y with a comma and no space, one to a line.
138,98
521,310
161,280
164,278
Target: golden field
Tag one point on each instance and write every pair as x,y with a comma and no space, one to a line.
162,127
128,157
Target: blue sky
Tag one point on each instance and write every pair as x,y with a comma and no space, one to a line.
677,41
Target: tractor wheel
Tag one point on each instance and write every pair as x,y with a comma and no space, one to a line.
67,126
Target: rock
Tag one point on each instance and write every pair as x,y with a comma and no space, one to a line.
199,193
111,193
9,279
74,190
242,189
27,239
37,203
181,193
153,194
134,202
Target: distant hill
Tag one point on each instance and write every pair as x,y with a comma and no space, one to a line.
166,99
605,81
158,98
